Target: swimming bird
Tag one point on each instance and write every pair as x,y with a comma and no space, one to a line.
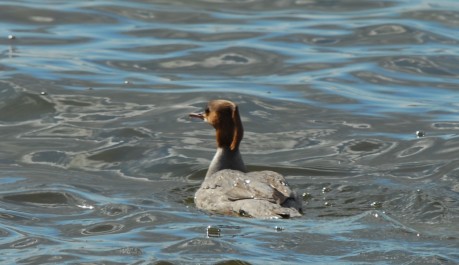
227,187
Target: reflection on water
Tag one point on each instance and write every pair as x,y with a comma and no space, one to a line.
99,161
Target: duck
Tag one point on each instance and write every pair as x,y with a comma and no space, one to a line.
228,188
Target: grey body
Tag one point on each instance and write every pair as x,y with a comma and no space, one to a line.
227,189
260,194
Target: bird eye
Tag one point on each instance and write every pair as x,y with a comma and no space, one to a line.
207,110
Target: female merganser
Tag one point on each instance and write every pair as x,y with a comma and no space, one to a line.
227,189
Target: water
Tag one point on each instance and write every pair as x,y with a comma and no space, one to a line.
99,161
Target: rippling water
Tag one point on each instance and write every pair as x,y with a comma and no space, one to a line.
99,161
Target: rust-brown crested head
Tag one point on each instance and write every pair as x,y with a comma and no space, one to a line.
223,115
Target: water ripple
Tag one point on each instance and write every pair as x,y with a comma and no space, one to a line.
99,161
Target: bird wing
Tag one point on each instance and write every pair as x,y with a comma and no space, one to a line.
261,185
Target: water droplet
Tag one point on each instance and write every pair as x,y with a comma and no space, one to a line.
243,213
420,134
326,189
213,231
376,204
11,37
307,196
279,228
247,181
327,204
127,82
43,93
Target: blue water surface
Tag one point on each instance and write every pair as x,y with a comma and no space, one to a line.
99,160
